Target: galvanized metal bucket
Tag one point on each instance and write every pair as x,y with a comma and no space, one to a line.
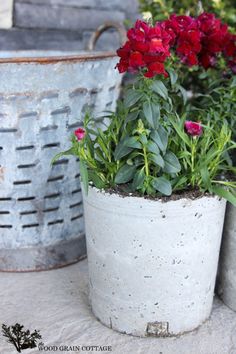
43,97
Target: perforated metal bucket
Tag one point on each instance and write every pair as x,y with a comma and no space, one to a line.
42,100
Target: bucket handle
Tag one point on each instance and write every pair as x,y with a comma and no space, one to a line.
104,27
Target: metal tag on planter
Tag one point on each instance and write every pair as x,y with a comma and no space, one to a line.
158,329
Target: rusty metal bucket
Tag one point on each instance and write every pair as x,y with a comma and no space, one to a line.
43,97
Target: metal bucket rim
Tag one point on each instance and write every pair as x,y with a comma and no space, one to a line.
56,59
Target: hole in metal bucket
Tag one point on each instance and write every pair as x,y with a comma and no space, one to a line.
28,212
50,145
27,166
61,162
75,205
8,130
16,183
59,221
78,190
25,199
27,147
76,217
50,196
29,226
56,178
63,110
49,127
50,210
28,115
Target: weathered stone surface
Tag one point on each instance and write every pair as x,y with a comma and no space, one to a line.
6,13
125,6
17,39
56,302
38,16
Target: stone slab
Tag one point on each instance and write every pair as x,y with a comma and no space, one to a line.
38,16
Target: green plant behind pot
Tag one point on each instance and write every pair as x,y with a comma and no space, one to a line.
161,9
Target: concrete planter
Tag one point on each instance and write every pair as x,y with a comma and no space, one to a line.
227,265
152,264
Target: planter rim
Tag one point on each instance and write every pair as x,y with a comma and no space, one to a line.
47,59
105,192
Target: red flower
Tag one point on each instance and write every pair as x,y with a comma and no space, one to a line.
79,133
193,128
230,45
147,48
155,69
208,23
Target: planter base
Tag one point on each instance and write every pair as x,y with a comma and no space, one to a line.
44,257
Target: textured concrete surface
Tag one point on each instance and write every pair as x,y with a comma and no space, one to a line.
56,302
166,277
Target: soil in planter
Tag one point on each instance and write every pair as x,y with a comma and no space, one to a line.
123,191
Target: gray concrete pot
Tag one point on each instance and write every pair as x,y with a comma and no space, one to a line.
152,264
227,267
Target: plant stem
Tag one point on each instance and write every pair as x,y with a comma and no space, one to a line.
193,153
146,161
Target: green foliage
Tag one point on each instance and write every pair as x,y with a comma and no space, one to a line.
161,9
144,146
204,159
20,338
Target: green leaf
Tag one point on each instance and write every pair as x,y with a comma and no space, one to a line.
158,160
179,129
132,116
138,179
132,97
184,94
162,185
160,137
150,112
71,151
133,142
97,181
84,175
160,89
172,164
223,193
173,76
206,178
152,147
121,150
125,174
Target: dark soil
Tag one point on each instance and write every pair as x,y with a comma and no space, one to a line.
123,191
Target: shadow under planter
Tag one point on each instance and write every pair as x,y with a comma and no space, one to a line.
226,286
152,264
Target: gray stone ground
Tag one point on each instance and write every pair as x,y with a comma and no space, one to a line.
56,302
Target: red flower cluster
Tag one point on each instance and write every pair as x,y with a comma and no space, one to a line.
186,37
193,128
147,47
197,41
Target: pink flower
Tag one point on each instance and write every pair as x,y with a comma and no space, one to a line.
79,133
193,128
